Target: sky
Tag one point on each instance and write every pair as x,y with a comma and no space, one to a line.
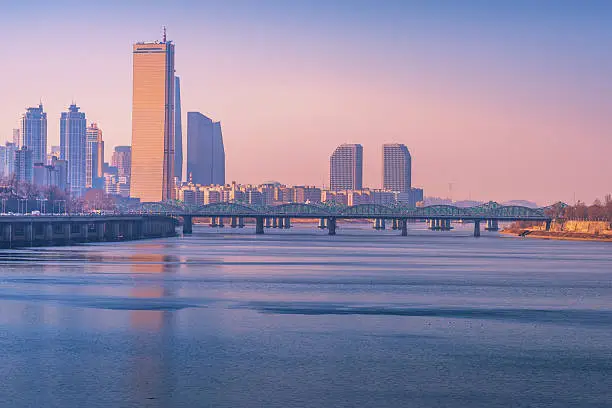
495,100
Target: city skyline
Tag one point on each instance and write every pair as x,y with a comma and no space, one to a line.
509,96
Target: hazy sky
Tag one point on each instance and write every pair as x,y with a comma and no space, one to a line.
504,99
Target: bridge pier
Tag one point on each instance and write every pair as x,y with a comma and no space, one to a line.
275,222
259,225
394,223
221,225
476,228
187,224
492,225
267,222
445,225
323,223
287,223
331,226
548,223
404,225
240,222
84,231
234,222
213,222
100,226
29,233
376,223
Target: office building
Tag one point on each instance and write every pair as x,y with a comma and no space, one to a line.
178,132
94,157
122,160
397,168
346,167
33,133
73,148
205,151
152,178
23,165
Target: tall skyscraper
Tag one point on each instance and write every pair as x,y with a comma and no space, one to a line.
122,160
73,148
346,167
153,121
178,131
397,168
23,165
94,157
9,159
33,133
205,151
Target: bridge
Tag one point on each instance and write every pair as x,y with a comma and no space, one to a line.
36,230
438,217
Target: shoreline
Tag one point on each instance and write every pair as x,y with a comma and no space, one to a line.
559,236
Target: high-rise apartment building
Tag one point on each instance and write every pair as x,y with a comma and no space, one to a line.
178,131
205,151
122,160
346,167
8,159
23,165
33,133
153,121
397,168
73,148
94,157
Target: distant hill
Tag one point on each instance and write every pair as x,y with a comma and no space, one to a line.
523,203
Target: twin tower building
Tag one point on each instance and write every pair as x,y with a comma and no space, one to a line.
346,168
157,139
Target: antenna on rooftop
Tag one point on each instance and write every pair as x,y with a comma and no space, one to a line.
164,34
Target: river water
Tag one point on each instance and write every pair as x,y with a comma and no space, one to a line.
300,319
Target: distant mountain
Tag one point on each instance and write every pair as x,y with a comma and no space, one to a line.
523,203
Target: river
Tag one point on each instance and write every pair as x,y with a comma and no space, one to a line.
225,318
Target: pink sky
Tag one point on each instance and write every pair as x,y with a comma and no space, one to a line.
499,117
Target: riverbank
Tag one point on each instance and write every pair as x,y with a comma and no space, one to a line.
568,231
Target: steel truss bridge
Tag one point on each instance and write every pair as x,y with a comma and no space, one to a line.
438,217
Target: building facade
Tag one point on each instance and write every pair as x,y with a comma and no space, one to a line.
94,157
122,160
205,151
23,165
153,121
346,167
33,133
397,168
73,148
178,131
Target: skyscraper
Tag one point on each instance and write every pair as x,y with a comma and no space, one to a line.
122,160
34,133
94,157
73,148
397,168
178,131
346,167
153,121
205,151
9,159
23,165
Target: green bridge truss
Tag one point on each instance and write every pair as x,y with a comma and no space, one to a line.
490,210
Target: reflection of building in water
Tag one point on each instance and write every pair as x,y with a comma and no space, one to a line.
152,363
152,288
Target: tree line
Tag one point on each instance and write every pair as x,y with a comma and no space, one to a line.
598,211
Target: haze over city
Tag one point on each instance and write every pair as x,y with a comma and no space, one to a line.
503,102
